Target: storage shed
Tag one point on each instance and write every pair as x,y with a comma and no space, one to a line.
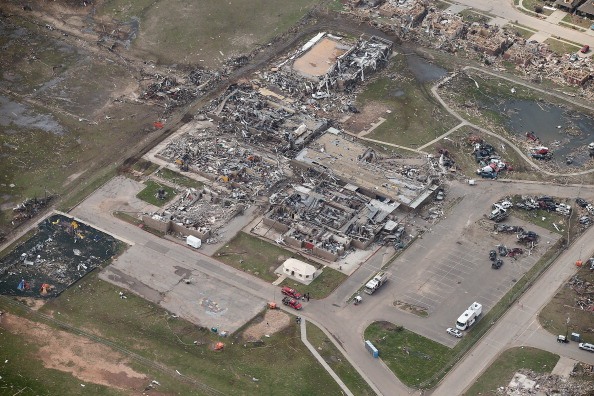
299,270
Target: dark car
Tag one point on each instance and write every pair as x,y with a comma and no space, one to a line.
528,236
497,264
581,202
492,255
585,49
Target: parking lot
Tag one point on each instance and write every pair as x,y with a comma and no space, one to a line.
448,268
153,271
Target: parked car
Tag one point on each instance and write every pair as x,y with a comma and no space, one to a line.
586,347
528,236
287,291
585,49
497,264
581,202
492,255
455,332
562,339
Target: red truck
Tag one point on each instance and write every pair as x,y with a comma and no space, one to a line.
291,302
287,291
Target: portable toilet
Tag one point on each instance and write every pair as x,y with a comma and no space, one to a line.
193,241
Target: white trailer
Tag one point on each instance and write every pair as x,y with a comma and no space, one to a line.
193,241
469,316
376,282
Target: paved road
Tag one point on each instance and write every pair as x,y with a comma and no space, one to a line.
505,9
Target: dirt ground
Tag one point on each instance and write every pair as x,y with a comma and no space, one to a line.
274,320
86,360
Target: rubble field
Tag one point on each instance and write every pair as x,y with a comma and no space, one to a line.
61,252
574,300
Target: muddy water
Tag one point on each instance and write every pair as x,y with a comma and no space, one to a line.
570,140
423,70
16,115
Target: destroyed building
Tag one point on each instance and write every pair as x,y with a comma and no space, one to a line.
61,252
448,26
352,164
410,12
326,218
348,64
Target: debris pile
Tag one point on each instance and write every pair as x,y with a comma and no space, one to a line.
527,382
29,208
227,161
491,164
585,292
201,212
429,26
60,253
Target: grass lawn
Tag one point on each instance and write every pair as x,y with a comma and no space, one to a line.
545,219
145,167
507,364
578,20
205,33
260,258
415,117
151,332
410,356
561,47
531,4
337,361
553,316
471,16
179,179
520,31
149,193
322,286
441,5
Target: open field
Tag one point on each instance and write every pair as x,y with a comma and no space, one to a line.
337,361
59,124
209,32
413,116
507,364
151,332
562,307
410,356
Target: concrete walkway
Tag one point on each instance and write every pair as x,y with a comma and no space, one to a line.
315,353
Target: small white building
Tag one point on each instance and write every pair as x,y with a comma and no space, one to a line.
299,270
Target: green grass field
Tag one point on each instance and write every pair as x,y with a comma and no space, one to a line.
410,356
502,370
151,332
415,116
205,33
149,193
